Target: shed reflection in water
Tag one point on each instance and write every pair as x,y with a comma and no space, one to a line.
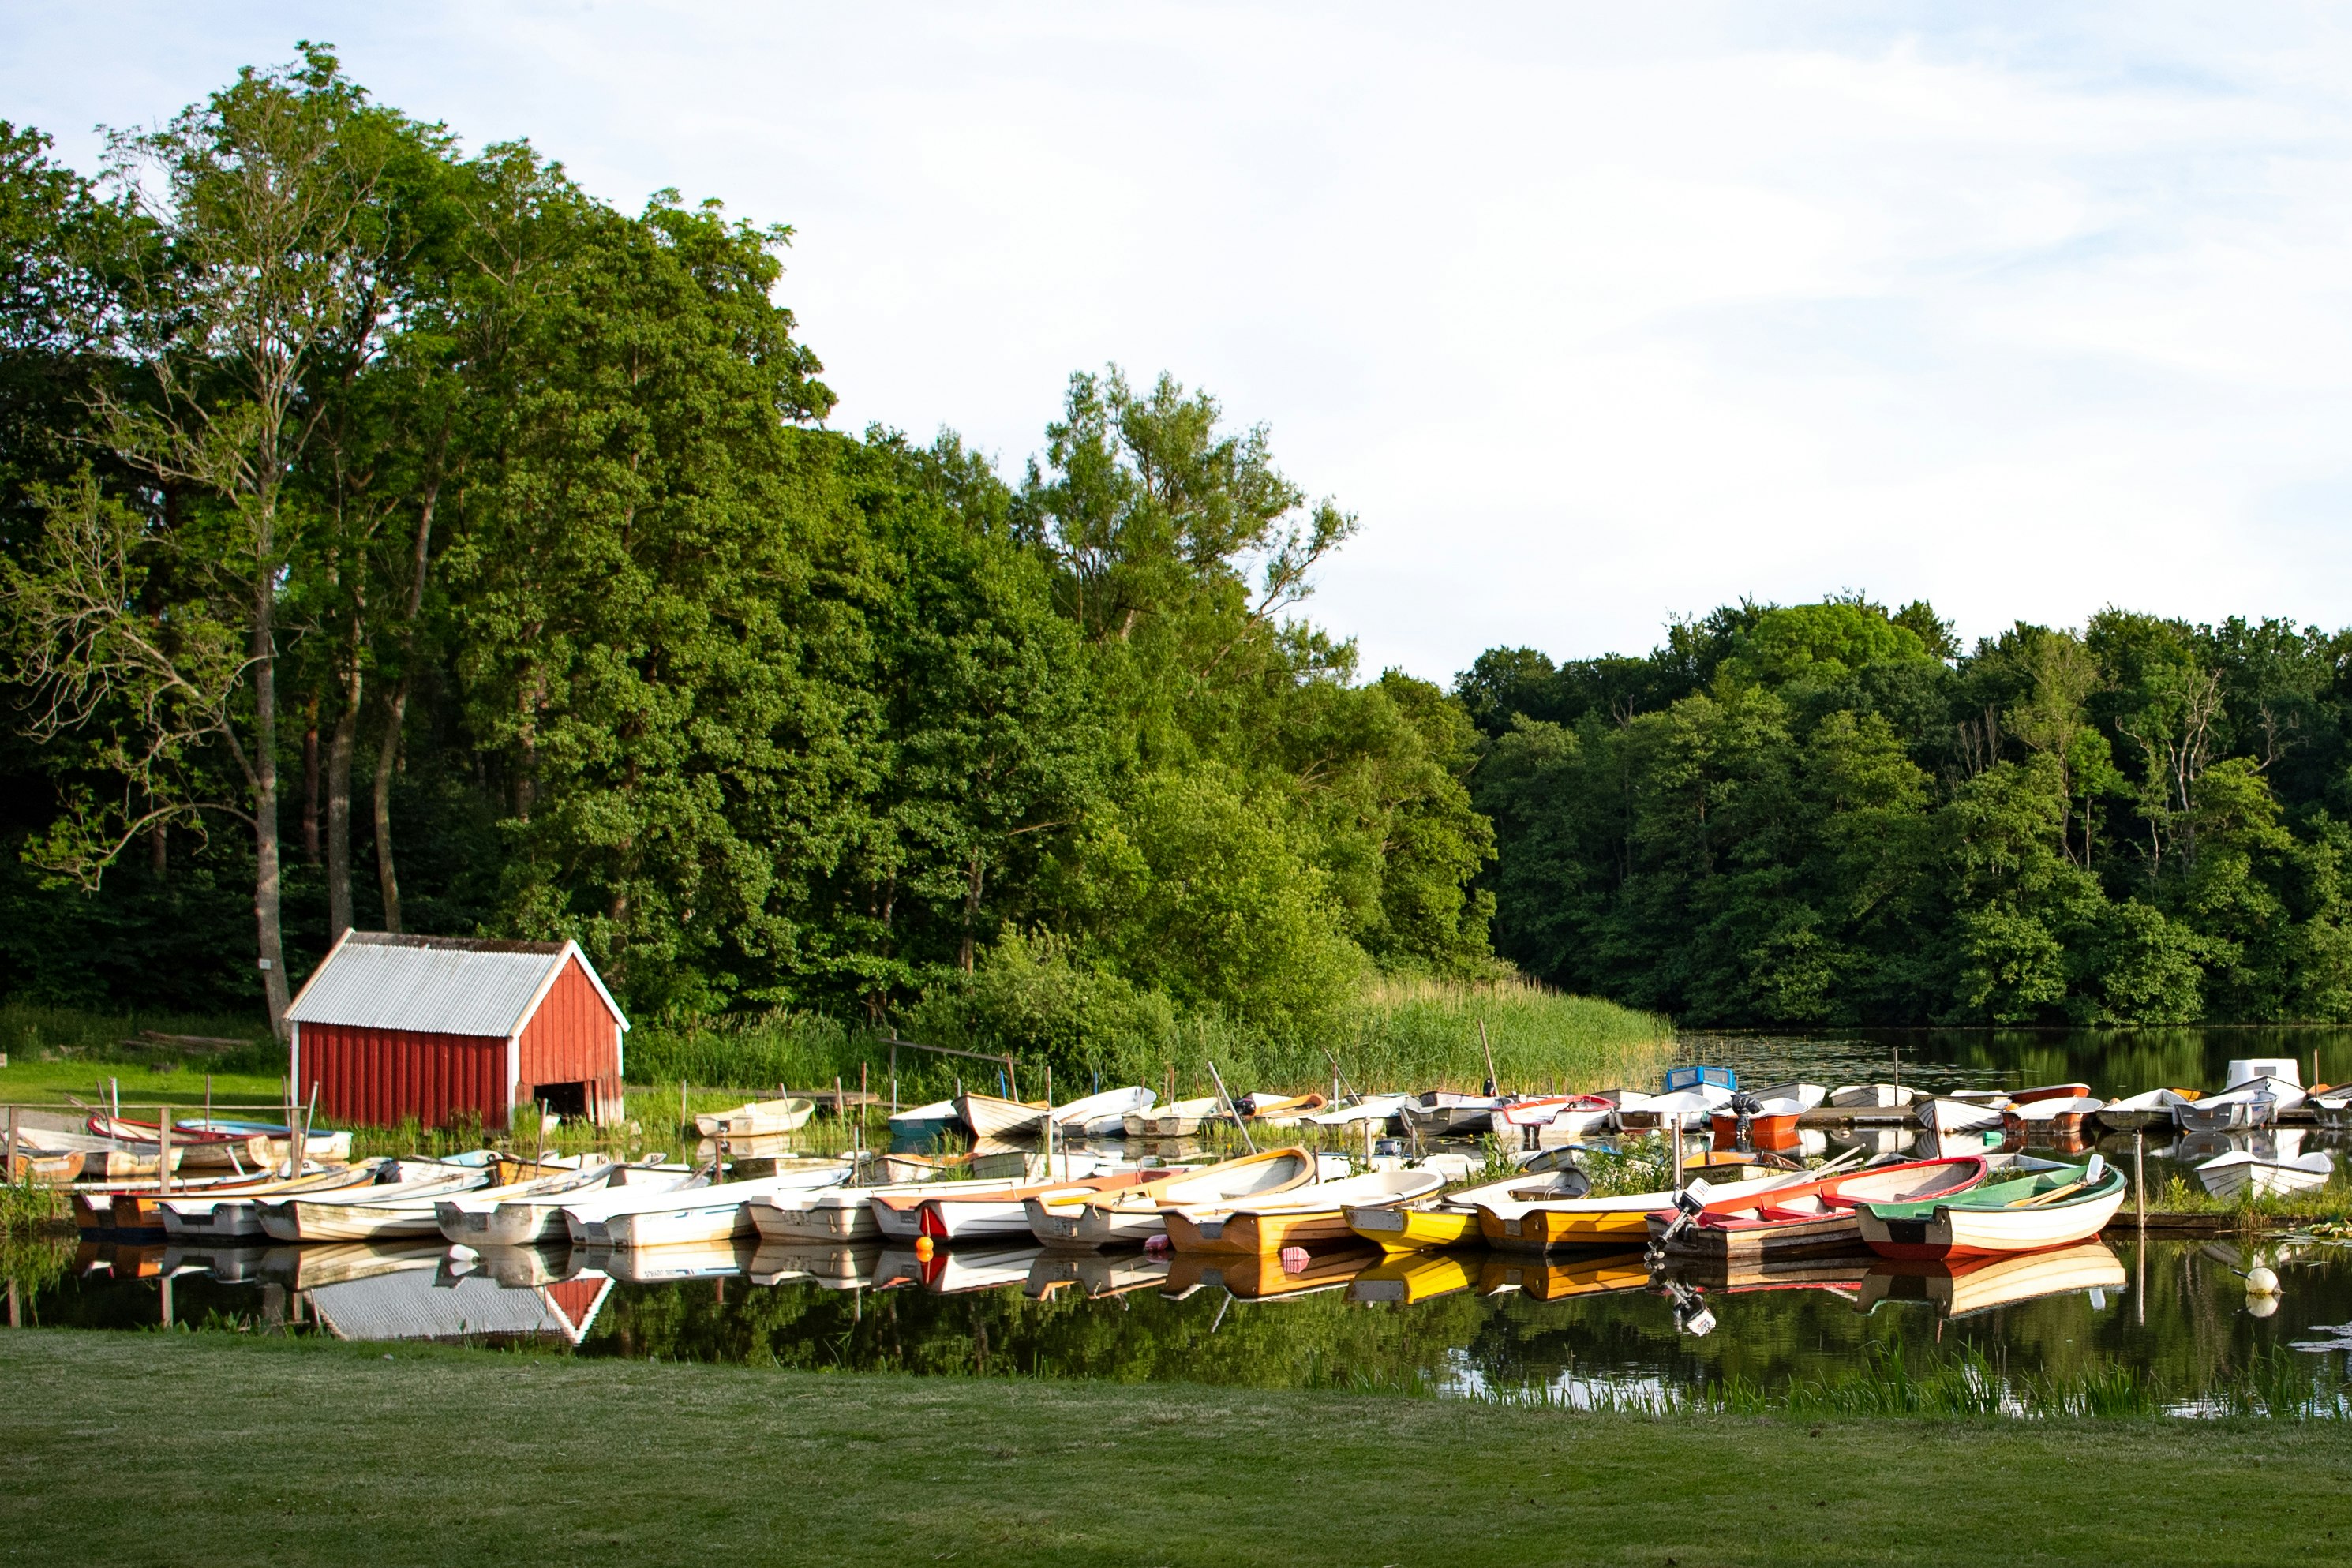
2175,1313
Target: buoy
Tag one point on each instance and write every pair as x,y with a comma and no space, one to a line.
2260,1282
924,1248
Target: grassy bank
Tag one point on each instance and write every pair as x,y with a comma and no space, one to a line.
468,1455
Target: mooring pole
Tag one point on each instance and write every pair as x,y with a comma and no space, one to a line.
1677,1135
9,1170
1231,1109
2139,1182
894,1072
164,1167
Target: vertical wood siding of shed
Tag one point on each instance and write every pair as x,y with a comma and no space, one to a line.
570,1039
376,1077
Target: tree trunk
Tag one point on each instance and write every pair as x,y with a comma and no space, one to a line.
975,872
311,782
387,754
159,850
265,888
339,809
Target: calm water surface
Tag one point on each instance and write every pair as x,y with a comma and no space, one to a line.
2173,1315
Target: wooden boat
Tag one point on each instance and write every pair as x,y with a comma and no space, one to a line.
1947,1114
472,1219
1131,1215
2242,1170
1442,1114
699,1215
1514,1226
990,1117
836,1215
1177,1119
547,1217
2055,1116
2231,1113
2137,1112
1103,1116
1545,1280
1764,1120
47,1170
1870,1097
2022,1097
1452,1219
1809,1219
2045,1208
1281,1110
1408,1279
235,1215
757,1118
1307,1215
131,1208
1380,1110
1962,1287
1691,1107
394,1210
848,1267
968,1215
1097,1276
900,1217
919,1127
1565,1116
1268,1276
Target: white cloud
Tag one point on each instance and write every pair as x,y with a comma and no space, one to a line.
1594,314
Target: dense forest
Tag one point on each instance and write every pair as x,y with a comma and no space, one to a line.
399,537
396,536
1832,814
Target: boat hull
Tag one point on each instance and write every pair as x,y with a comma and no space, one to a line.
1413,1229
1953,1231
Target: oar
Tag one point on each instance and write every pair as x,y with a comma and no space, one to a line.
2091,1172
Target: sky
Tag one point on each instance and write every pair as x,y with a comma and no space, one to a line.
1594,314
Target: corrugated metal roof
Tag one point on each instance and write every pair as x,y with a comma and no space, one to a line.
415,1305
435,985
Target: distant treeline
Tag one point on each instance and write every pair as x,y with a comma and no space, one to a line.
395,535
1832,814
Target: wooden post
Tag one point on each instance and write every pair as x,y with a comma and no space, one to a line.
1493,1083
1677,1135
1049,1120
300,1150
894,1074
164,1175
861,1107
15,1313
1012,1080
681,1103
1231,1109
167,1300
539,1160
8,1171
2139,1183
208,1102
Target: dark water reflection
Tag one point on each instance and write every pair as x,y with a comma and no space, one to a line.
1578,1327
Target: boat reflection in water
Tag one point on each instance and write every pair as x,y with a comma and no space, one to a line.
1964,1287
1097,1276
1563,1278
840,1268
1265,1277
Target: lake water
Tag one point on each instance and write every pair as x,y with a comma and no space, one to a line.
2170,1317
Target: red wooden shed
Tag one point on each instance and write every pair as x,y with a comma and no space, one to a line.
390,1027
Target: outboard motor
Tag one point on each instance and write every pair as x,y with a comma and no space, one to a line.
1746,1108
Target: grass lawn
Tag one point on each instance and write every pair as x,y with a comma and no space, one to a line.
121,1448
27,1082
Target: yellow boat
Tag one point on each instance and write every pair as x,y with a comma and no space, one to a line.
1309,1215
1516,1227
1452,1219
1405,1279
